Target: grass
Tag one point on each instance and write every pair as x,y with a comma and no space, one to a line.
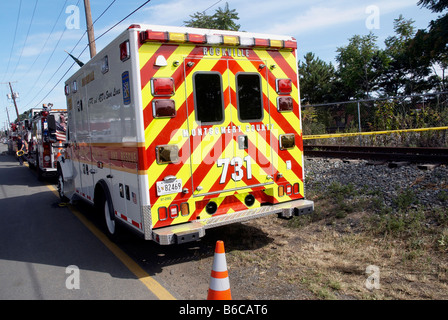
349,230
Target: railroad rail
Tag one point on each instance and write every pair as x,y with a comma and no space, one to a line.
408,154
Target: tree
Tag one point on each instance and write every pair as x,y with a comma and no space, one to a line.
434,42
360,65
434,5
223,19
406,70
316,80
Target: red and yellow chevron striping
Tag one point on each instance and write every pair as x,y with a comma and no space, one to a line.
225,160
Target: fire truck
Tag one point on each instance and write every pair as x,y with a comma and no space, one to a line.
46,138
174,130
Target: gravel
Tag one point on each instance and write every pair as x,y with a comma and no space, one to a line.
429,187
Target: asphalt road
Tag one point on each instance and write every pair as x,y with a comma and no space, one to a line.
40,242
47,252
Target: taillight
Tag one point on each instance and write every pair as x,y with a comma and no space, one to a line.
184,209
125,51
296,188
174,211
162,86
284,104
163,108
47,156
283,86
167,154
281,191
288,189
163,213
287,141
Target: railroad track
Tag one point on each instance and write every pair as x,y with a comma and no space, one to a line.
414,155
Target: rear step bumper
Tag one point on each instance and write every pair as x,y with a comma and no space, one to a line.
194,230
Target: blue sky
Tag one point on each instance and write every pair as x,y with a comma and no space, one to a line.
35,33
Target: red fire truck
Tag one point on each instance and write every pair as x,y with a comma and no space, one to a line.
47,128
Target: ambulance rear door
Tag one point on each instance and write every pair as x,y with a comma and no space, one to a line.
228,124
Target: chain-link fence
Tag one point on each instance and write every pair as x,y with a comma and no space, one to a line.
380,115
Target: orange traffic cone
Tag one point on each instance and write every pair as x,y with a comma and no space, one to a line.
219,288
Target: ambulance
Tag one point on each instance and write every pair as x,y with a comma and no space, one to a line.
175,130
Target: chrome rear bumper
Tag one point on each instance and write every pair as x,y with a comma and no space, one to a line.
194,230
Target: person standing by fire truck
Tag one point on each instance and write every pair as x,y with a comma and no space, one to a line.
22,148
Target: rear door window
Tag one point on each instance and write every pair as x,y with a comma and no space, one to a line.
208,97
249,97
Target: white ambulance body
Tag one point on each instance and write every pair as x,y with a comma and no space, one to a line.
122,156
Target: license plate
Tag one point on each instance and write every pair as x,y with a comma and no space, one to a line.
164,188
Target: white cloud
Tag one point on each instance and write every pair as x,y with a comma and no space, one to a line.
305,16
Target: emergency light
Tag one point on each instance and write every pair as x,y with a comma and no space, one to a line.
283,86
162,86
215,39
287,141
162,108
166,154
284,104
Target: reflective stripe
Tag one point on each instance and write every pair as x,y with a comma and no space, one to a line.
219,284
219,262
220,274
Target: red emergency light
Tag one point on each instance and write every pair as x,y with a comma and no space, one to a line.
125,51
283,86
162,86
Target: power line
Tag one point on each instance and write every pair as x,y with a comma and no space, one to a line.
26,38
49,35
13,40
122,20
104,11
108,30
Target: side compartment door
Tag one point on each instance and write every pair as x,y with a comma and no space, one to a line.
84,149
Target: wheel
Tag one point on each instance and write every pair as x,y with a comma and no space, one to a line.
40,173
61,187
106,207
109,221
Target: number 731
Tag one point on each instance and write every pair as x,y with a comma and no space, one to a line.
237,163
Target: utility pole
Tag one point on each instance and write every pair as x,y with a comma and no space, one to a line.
14,99
9,121
90,32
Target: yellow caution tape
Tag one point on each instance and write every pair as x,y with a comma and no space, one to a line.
354,134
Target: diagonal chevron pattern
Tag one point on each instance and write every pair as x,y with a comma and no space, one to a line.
212,165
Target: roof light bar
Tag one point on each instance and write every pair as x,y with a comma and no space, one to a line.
216,39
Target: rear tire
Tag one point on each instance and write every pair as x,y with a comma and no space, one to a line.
111,227
106,209
61,187
40,173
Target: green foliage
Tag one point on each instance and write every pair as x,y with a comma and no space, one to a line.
223,19
360,66
316,79
405,66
